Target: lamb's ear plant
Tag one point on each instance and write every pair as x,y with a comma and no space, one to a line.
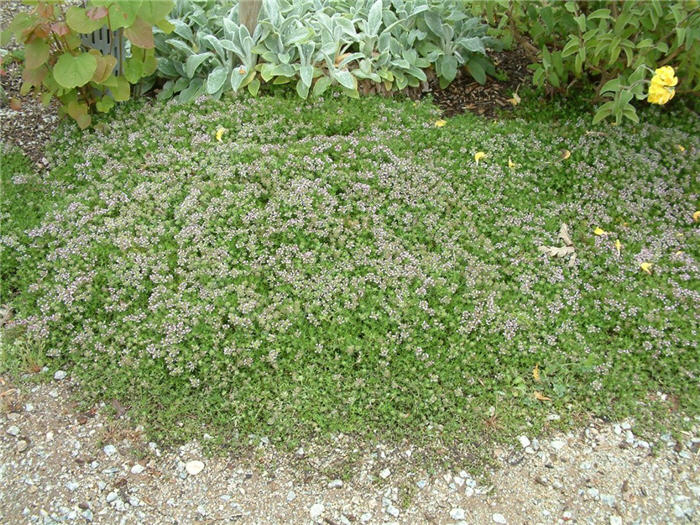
57,64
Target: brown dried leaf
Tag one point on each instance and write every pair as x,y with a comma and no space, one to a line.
541,397
564,234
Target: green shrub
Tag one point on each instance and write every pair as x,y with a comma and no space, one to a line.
314,44
57,63
614,45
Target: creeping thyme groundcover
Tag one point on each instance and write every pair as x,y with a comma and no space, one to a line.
284,267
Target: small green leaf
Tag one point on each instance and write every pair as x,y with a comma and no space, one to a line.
321,85
477,71
254,87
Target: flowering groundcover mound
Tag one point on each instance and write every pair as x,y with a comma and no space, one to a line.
268,266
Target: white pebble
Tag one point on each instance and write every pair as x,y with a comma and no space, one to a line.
615,520
385,473
110,450
393,511
499,518
457,514
524,441
60,375
13,431
335,484
194,467
137,469
291,495
557,444
365,517
316,510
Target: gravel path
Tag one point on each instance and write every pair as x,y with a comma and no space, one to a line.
58,465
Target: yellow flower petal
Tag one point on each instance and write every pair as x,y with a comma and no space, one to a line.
478,156
680,148
666,75
645,266
565,154
618,246
511,164
696,216
679,252
440,123
220,133
600,231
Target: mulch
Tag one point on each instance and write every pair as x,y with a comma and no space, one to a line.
464,94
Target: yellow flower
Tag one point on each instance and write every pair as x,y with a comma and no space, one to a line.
680,148
618,246
511,164
600,231
696,216
478,156
646,266
659,94
565,154
666,76
220,133
440,123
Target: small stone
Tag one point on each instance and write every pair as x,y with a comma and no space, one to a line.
469,492
49,436
626,426
316,510
421,484
29,407
201,510
291,495
392,511
53,393
553,417
335,484
567,516
457,514
615,520
22,445
13,430
618,430
593,493
608,499
529,450
499,518
300,452
72,485
524,441
194,467
364,518
112,496
137,469
557,444
60,375
110,450
385,473
87,514
459,481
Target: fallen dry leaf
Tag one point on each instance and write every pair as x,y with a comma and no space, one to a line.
564,234
541,397
15,104
565,154
515,100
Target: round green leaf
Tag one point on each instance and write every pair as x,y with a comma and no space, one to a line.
73,71
36,53
78,21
